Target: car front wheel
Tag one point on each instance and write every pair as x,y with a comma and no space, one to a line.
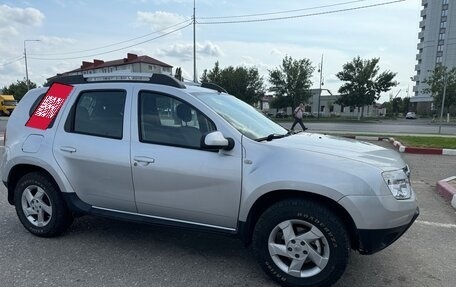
40,207
301,243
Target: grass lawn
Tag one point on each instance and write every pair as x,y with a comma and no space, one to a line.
429,142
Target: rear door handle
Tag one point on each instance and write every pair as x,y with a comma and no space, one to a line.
144,160
68,149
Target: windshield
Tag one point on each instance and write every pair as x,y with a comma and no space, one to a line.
9,103
243,117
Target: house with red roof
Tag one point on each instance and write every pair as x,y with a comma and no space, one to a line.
132,64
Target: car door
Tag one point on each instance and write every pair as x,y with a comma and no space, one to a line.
174,178
92,148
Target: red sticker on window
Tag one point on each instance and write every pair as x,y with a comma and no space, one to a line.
49,106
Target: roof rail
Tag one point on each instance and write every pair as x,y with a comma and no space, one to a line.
160,79
213,86
75,79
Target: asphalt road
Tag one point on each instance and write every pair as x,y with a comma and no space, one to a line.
102,252
401,126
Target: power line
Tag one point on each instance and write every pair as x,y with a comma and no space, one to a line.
12,61
114,44
283,12
302,15
190,21
115,50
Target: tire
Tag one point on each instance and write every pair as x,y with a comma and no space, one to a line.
292,255
40,206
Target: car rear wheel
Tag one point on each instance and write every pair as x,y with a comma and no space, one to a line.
301,243
40,207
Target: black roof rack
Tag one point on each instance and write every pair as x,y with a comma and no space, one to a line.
160,79
213,86
75,79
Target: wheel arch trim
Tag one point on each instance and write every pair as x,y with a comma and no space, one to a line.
19,169
245,228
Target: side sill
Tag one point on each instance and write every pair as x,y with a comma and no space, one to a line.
79,208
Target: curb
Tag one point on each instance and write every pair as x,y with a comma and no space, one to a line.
406,149
422,150
447,191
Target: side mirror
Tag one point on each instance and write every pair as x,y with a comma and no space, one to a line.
216,141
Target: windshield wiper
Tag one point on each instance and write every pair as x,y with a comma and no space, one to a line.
272,137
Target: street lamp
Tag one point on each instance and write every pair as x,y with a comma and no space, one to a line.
321,83
25,58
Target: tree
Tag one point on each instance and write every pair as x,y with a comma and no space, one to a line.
18,89
436,83
212,76
397,105
178,74
281,102
292,79
363,84
244,83
406,105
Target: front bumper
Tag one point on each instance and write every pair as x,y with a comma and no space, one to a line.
372,241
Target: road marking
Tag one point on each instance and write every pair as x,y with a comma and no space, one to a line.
446,225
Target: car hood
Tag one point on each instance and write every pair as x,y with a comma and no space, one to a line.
383,158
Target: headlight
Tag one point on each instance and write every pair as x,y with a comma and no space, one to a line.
398,183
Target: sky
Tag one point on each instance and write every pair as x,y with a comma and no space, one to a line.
70,32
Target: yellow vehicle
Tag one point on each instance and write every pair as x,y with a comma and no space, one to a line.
7,104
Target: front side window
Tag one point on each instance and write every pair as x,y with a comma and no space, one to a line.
98,113
169,121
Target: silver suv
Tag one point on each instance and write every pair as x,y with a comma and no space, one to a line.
152,149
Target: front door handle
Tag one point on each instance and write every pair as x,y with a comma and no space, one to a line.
143,160
68,149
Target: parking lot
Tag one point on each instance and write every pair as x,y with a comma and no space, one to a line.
104,252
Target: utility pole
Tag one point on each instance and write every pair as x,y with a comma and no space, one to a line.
26,68
445,82
195,77
321,82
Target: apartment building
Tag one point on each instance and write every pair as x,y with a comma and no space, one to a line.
436,46
132,63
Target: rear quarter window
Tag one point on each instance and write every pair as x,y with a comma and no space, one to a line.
36,103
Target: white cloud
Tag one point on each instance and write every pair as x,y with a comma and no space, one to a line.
209,49
14,17
248,60
276,51
56,41
184,52
159,20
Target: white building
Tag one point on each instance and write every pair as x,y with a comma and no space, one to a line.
328,106
132,63
437,45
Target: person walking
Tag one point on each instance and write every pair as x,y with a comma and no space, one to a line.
297,114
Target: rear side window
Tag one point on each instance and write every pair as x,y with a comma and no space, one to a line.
35,104
98,113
